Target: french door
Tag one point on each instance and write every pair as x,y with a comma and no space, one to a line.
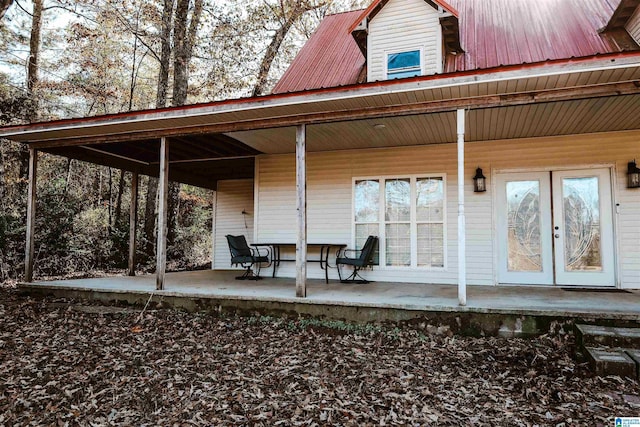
555,228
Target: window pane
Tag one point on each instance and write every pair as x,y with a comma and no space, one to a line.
398,200
429,199
367,204
398,244
430,245
403,73
362,232
403,60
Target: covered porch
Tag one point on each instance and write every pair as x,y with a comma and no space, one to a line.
205,144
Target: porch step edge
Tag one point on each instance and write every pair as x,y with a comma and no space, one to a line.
608,336
611,361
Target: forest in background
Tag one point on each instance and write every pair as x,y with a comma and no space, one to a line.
65,58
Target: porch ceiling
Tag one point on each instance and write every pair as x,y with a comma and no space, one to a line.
200,160
613,113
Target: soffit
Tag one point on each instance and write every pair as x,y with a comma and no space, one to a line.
607,114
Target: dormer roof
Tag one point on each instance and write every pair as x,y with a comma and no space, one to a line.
448,20
373,9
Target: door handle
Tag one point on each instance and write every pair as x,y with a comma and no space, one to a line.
557,236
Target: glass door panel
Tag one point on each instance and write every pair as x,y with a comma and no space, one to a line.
581,202
524,221
524,245
583,230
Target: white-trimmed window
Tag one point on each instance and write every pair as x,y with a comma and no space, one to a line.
404,64
407,214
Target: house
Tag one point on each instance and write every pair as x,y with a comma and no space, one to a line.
385,124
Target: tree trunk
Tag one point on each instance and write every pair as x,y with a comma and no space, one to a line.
68,178
184,37
298,10
3,180
98,187
161,101
110,206
180,72
150,215
34,46
4,5
32,80
165,54
183,50
118,210
173,203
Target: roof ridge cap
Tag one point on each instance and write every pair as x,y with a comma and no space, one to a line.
343,12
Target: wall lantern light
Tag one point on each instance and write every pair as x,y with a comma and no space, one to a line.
633,175
480,182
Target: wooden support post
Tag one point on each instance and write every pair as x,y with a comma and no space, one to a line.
462,237
163,195
133,221
301,206
31,215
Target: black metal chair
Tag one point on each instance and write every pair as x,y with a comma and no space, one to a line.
365,259
242,254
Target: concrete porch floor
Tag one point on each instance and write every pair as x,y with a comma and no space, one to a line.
398,300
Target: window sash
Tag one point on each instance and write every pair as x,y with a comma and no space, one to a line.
404,64
423,253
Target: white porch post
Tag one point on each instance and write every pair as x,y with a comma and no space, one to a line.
31,215
462,250
133,221
301,206
163,193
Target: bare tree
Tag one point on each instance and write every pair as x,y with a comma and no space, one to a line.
184,38
289,13
4,5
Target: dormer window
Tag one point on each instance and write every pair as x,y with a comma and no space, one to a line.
404,64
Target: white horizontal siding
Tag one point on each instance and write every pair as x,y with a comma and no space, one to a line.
330,180
232,197
633,25
404,25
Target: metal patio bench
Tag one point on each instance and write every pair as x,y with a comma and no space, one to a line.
242,254
365,259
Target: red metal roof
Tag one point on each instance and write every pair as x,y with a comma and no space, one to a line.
503,32
330,58
493,33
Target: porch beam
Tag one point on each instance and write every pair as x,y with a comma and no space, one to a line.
93,156
437,106
163,195
301,207
31,215
133,221
462,236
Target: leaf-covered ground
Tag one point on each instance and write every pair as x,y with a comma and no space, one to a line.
70,363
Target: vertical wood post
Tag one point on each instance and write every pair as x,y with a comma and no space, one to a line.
301,207
133,221
31,215
163,195
462,238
